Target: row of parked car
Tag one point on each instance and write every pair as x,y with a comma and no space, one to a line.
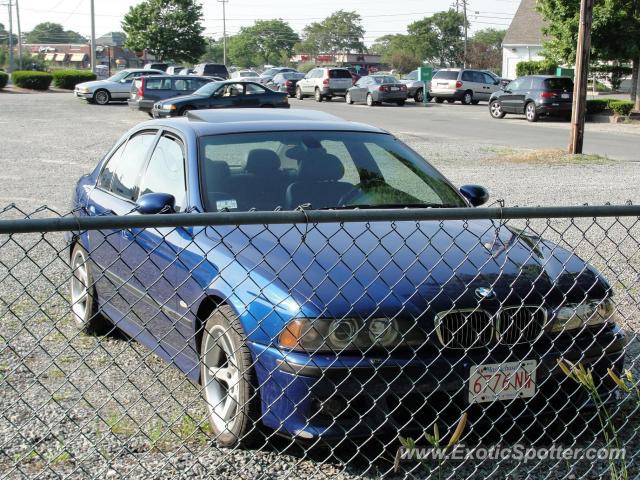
165,93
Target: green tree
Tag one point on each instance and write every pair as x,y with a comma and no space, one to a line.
214,51
485,49
4,36
340,32
265,42
397,50
168,29
49,32
439,39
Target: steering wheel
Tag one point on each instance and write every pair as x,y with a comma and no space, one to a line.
359,189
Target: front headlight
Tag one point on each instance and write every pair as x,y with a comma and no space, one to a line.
167,107
84,90
349,334
574,316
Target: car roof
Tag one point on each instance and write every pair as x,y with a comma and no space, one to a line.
223,121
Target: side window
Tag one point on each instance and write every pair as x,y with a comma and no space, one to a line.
514,85
129,165
412,76
104,181
233,90
489,79
467,76
252,89
165,173
339,150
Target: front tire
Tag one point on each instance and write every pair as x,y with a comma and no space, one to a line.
419,96
495,109
101,97
185,111
229,382
299,95
84,300
348,99
318,95
439,100
530,112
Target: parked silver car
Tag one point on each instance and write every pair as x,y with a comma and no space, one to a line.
324,83
467,85
415,87
116,87
377,89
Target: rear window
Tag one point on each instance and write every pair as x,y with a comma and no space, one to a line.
558,84
447,74
216,70
339,74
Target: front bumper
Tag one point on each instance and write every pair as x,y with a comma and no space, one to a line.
158,113
328,397
83,95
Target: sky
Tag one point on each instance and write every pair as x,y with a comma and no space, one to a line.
379,17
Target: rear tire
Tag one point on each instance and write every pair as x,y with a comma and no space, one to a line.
84,299
370,101
299,94
318,95
229,382
467,97
530,112
418,97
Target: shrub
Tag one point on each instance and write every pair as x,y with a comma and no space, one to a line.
32,80
70,78
533,67
4,78
621,107
597,106
306,67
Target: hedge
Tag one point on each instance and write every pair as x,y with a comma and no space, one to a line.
32,80
533,67
597,106
4,78
70,78
621,107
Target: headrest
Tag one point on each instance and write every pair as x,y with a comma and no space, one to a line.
262,161
218,169
320,168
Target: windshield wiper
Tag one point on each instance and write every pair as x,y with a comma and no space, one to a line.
389,206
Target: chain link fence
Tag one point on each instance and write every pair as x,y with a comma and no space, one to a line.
321,344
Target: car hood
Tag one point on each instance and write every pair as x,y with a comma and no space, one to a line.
406,267
183,99
97,83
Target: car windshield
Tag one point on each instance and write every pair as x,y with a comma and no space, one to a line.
384,79
118,76
207,89
248,74
270,72
319,169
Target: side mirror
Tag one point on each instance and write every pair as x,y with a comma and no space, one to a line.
476,194
152,203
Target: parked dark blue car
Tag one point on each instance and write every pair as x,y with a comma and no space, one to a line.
329,330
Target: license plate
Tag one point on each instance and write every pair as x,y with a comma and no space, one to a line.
564,95
395,89
502,381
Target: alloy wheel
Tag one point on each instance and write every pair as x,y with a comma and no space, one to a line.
79,286
221,379
102,97
496,109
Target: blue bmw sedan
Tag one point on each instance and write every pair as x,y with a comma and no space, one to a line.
332,330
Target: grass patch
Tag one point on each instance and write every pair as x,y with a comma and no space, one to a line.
547,156
25,458
120,425
55,373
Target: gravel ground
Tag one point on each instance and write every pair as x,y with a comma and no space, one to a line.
79,406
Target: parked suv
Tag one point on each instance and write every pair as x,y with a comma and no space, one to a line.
324,83
467,85
533,96
211,70
156,66
145,91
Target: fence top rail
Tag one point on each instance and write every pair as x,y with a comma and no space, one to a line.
74,223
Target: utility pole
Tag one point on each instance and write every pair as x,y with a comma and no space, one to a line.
19,36
581,77
10,38
93,38
464,11
224,31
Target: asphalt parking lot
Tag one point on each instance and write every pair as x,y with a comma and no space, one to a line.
50,139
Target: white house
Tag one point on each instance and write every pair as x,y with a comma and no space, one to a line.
524,38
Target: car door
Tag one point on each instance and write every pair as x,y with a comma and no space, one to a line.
491,84
360,89
226,96
308,81
470,82
510,98
115,195
254,96
155,267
